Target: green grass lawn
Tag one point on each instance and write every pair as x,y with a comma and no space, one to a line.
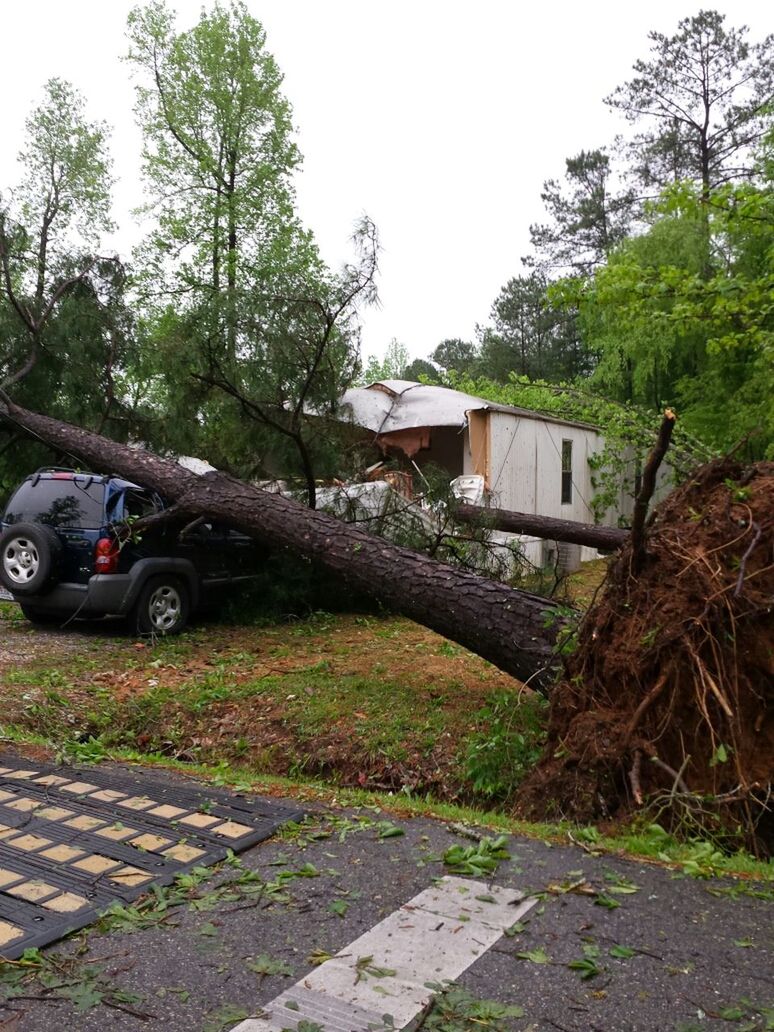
362,701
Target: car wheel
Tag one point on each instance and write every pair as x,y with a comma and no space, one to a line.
29,552
38,616
162,607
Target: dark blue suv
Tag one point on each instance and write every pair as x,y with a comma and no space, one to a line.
62,554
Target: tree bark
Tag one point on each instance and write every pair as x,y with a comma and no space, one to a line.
515,630
642,501
607,538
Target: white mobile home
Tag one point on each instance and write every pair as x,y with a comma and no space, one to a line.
529,462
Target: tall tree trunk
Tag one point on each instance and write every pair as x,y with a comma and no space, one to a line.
231,262
514,630
308,468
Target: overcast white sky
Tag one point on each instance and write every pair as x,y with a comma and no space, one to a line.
439,118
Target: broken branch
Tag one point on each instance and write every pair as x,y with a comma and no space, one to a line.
647,488
607,538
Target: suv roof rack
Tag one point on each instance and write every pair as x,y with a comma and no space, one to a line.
59,470
63,469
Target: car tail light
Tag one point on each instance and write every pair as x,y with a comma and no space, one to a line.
106,556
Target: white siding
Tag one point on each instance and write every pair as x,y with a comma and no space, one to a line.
526,466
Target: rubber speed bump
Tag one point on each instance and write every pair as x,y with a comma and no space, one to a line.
74,842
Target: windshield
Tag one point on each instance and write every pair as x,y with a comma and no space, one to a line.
76,502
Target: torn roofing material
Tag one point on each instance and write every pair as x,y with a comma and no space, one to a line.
394,405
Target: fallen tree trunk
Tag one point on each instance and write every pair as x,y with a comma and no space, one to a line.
515,630
609,539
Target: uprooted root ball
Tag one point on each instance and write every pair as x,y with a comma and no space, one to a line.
668,701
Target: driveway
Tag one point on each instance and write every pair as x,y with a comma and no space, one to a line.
22,642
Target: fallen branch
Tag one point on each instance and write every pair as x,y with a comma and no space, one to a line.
129,528
462,829
634,777
743,563
609,539
644,706
676,774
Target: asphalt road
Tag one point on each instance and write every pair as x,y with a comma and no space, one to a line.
698,952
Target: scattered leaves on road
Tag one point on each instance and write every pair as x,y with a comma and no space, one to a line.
480,860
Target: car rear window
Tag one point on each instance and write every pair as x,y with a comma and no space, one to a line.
76,502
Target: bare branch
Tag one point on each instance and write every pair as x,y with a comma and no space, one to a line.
648,487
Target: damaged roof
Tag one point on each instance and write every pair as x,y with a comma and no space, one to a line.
392,405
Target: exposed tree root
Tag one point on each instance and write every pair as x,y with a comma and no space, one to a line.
668,701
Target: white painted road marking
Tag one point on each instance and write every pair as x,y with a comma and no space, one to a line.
433,938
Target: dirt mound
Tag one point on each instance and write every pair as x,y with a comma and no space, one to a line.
668,701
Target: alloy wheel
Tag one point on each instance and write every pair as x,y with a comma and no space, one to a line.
21,560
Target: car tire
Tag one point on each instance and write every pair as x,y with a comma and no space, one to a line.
162,606
39,616
29,557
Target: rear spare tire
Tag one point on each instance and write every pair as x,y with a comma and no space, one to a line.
162,606
29,554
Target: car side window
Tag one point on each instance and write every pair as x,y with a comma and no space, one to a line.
138,504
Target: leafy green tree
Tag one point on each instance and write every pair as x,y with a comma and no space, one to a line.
391,367
218,155
699,103
530,336
641,358
419,368
55,216
521,329
64,328
680,313
249,329
588,216
669,333
310,345
456,354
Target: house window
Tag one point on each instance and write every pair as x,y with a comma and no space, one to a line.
566,472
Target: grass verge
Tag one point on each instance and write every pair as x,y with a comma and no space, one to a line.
370,702
646,843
